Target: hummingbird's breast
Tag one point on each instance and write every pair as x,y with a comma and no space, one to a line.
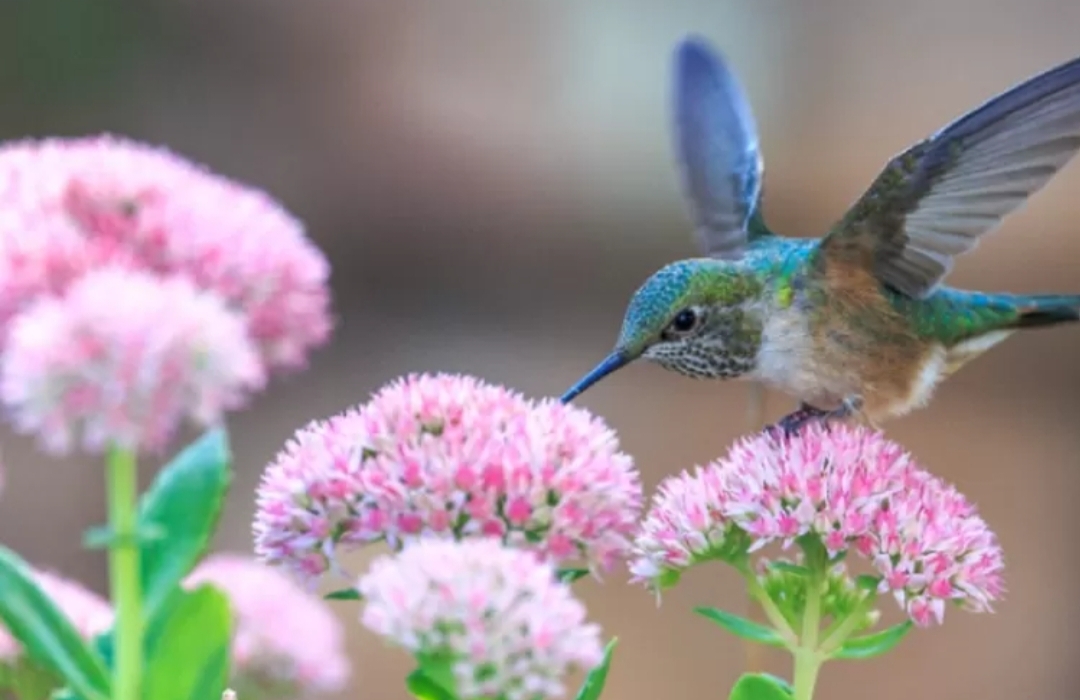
788,358
825,342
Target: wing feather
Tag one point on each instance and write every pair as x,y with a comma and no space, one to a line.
717,146
937,199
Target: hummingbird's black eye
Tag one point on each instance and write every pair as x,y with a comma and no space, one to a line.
684,321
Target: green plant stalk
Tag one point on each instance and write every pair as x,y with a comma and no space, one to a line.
122,487
772,613
807,658
835,636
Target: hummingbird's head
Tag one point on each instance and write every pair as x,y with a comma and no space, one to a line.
698,317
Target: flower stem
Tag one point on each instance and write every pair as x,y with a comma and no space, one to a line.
807,659
772,613
839,633
124,573
807,665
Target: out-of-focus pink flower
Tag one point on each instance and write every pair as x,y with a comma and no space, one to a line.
849,486
449,456
121,359
510,628
68,206
88,613
284,637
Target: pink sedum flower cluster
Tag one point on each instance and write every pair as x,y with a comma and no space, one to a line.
449,456
284,637
72,209
68,206
88,613
850,487
509,627
121,359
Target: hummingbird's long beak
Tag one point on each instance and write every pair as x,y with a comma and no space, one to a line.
610,363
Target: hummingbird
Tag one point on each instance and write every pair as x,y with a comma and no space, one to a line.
858,322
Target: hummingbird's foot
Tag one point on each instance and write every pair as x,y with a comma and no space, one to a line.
795,421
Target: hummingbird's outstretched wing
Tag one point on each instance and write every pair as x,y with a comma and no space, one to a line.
717,145
935,200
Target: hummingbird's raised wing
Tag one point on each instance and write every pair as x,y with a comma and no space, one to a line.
717,145
935,200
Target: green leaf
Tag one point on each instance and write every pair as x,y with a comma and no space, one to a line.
344,594
867,582
423,688
187,647
789,568
597,678
760,686
571,574
439,669
45,633
185,501
784,685
742,627
871,645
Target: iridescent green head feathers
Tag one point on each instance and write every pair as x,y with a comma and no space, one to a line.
697,317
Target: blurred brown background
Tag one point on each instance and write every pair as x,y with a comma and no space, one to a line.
493,180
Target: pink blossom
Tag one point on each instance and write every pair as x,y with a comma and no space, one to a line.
510,629
850,487
87,612
121,359
454,457
68,206
931,548
284,637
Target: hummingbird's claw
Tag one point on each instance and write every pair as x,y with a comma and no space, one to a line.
796,420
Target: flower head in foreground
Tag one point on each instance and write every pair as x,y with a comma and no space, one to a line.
68,206
510,629
284,637
848,486
88,613
449,456
121,359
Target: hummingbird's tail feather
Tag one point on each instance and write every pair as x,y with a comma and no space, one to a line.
1047,310
970,323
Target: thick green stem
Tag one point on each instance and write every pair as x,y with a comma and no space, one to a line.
807,659
124,574
807,665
